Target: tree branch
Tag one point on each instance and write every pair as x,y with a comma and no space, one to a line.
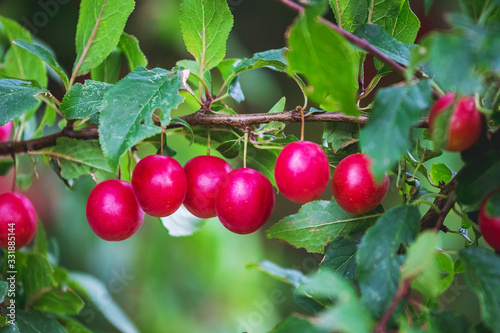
433,219
193,119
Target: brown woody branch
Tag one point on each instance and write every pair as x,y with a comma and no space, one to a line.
433,219
193,119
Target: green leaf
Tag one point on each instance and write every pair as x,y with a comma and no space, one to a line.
48,119
312,46
79,158
341,257
109,70
16,98
448,321
100,25
230,149
492,206
420,264
182,223
73,326
340,135
440,173
97,292
483,273
384,12
477,179
205,28
19,63
40,245
420,254
273,59
444,263
5,166
386,136
443,52
36,322
294,324
279,106
385,43
484,11
318,223
59,301
37,278
378,259
347,313
129,46
235,90
126,116
291,276
4,287
274,127
46,56
349,14
84,100
406,26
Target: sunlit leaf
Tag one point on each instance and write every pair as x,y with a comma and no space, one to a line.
312,46
16,98
318,223
46,56
126,116
19,63
100,25
205,28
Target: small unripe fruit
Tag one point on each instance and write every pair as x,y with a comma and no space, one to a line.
18,220
462,122
159,184
204,174
354,186
489,219
244,201
113,212
5,131
302,171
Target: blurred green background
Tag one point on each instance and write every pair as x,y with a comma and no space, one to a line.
198,283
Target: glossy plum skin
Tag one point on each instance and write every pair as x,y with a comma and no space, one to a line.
5,131
466,122
113,212
159,184
16,208
354,187
489,225
204,174
302,171
244,201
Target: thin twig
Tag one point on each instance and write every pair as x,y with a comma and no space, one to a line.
400,293
433,219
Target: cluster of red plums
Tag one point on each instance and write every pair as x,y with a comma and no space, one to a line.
243,199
